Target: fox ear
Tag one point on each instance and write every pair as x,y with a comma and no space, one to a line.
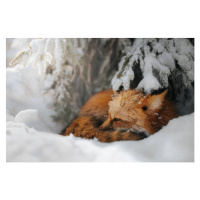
155,102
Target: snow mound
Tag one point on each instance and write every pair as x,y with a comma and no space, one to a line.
24,91
32,119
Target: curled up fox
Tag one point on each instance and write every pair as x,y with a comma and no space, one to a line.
128,115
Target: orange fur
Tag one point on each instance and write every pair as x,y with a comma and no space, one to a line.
129,115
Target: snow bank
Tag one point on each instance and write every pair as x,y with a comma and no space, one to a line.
24,90
173,143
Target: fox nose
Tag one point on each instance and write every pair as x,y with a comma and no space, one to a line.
143,134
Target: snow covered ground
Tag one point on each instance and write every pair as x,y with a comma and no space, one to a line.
32,135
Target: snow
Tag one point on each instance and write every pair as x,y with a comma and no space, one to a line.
149,82
24,90
128,75
32,118
15,47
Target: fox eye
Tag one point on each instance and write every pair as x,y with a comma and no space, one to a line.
144,108
116,119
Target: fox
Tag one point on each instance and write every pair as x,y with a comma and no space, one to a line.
113,116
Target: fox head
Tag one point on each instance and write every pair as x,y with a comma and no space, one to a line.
133,111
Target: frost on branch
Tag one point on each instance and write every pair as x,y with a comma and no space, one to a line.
158,64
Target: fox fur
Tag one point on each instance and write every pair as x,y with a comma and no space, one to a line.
129,115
